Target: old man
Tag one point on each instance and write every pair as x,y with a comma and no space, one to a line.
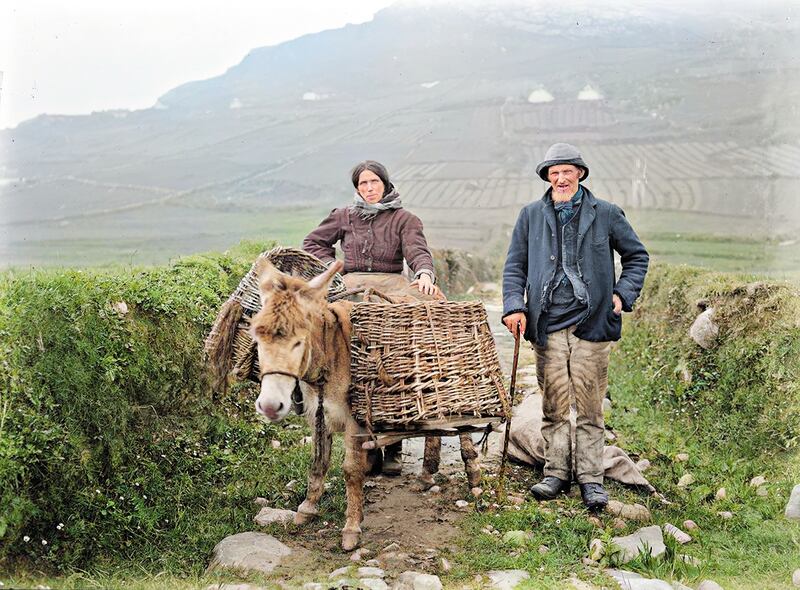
561,293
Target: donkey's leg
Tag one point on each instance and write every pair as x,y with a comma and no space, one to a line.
316,480
470,457
430,462
355,464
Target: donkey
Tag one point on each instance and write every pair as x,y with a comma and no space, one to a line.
303,347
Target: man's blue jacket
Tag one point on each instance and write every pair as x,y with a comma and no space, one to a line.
531,266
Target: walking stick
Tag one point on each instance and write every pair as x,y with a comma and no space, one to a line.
500,490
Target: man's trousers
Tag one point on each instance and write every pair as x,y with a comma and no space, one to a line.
568,366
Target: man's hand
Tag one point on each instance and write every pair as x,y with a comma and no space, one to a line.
617,303
515,321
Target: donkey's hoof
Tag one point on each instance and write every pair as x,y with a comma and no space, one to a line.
350,540
424,482
305,513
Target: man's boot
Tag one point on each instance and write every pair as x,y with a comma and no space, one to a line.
392,459
549,488
594,496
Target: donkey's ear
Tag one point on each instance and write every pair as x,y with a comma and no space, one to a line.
270,279
320,282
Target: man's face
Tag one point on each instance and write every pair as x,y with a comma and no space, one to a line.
564,179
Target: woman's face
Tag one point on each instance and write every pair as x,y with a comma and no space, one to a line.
370,187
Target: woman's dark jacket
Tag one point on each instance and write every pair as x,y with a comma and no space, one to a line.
531,265
378,244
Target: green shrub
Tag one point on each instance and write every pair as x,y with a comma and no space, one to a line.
111,444
743,394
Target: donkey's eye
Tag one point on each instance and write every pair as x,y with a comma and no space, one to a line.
296,344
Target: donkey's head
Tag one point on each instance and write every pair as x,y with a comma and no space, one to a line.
288,332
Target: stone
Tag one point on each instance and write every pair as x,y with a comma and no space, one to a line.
433,489
260,502
313,586
704,331
686,480
596,522
275,443
676,533
709,585
690,525
792,511
390,546
516,538
647,539
248,552
596,550
758,480
307,440
588,562
682,457
507,579
372,563
721,494
643,464
606,406
679,586
725,514
796,577
762,492
476,491
631,581
446,567
370,572
410,580
461,503
120,307
224,586
341,572
269,516
516,500
628,511
543,549
373,584
619,524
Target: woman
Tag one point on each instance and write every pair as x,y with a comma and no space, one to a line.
376,234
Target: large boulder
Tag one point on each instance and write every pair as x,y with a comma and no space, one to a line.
248,552
416,581
507,579
704,331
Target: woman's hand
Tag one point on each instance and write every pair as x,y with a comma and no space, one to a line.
425,284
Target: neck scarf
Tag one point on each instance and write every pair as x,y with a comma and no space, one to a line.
566,210
367,211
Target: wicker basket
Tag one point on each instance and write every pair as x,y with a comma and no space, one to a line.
229,344
426,362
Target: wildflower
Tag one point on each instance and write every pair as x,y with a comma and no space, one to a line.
121,498
144,496
97,491
26,538
44,542
59,526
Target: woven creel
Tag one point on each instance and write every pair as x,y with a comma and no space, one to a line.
414,363
229,344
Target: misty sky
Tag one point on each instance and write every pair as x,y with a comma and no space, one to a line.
85,55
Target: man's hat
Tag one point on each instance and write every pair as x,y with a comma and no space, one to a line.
561,153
